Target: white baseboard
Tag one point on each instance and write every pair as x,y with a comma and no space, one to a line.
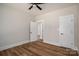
20,43
74,48
12,45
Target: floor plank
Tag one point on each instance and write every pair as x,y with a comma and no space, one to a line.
38,49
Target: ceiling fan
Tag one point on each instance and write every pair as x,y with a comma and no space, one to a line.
35,4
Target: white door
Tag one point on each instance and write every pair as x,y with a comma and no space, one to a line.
67,31
33,31
40,30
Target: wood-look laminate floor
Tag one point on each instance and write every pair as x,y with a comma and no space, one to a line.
38,49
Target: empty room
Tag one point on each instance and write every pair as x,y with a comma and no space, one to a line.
39,29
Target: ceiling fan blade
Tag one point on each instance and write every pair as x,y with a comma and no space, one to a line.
30,7
38,7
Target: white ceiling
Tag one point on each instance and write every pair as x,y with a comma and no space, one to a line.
47,7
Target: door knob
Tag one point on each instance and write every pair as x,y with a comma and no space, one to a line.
61,33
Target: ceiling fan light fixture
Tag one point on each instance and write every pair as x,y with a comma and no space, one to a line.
33,5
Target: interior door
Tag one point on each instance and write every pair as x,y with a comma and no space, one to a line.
67,31
33,31
40,30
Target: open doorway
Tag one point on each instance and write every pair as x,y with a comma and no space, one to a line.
36,31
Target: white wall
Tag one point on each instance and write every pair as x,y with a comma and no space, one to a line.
14,27
51,24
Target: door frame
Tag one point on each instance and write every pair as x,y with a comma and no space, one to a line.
37,29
